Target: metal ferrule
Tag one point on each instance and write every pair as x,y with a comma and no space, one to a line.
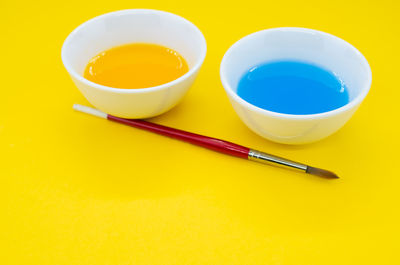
264,158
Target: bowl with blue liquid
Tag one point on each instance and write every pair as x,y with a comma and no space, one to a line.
294,85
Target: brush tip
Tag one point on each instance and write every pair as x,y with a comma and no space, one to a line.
321,172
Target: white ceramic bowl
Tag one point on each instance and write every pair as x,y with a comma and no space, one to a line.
129,26
300,44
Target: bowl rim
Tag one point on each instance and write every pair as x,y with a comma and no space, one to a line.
180,79
351,104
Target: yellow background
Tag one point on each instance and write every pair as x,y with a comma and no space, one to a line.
80,190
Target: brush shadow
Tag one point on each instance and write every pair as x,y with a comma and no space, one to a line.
158,179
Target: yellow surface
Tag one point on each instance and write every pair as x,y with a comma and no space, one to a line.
81,190
137,65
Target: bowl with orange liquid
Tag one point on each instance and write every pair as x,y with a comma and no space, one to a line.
135,63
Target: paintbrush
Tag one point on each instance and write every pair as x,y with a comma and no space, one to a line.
212,143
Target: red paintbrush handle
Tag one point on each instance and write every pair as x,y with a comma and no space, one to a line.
204,141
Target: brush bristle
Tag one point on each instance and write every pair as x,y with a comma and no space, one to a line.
321,172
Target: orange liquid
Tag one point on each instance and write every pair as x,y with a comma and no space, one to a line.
136,65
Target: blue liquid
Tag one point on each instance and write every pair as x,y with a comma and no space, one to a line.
292,87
